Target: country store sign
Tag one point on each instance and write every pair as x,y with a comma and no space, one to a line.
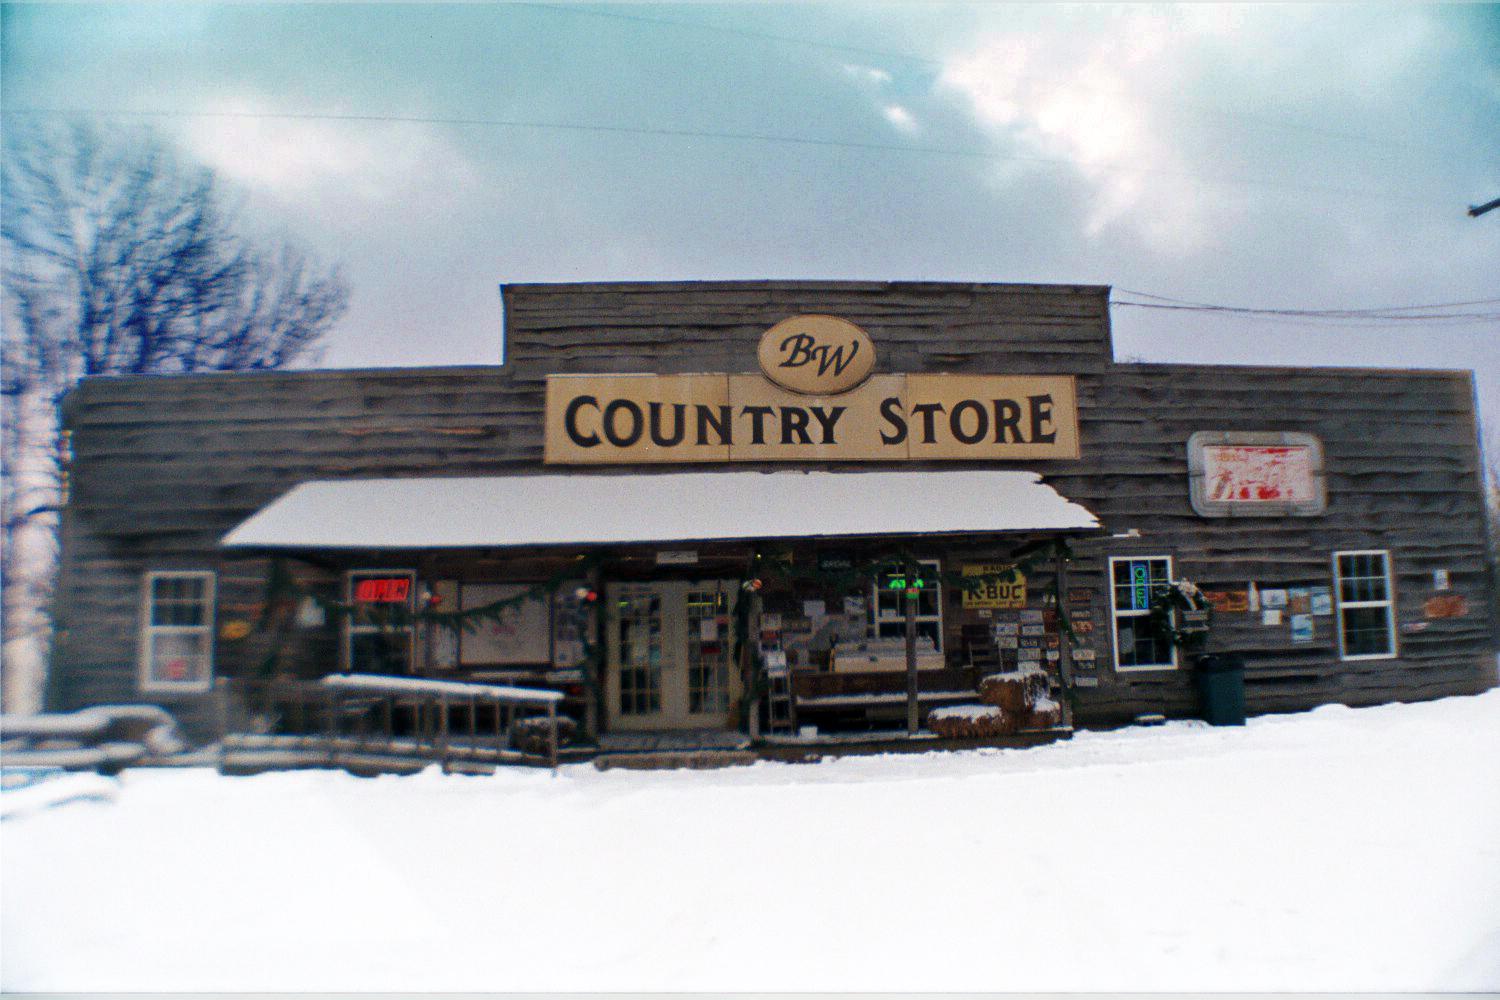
817,399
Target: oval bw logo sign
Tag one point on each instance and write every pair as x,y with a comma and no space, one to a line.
816,355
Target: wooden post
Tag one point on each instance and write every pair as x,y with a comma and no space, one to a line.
443,729
912,706
221,708
473,725
593,683
552,736
331,701
1064,641
748,660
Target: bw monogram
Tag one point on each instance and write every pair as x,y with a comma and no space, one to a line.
816,355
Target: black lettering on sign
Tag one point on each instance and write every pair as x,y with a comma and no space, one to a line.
890,411
570,421
794,423
611,431
1007,418
825,356
680,423
758,415
1041,415
928,413
827,420
981,421
721,424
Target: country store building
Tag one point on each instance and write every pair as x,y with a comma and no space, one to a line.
710,508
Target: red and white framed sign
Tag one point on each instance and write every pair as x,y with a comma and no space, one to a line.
1251,473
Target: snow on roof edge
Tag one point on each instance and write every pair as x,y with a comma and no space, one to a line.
572,509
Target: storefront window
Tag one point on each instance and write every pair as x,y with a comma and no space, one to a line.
177,631
890,609
1136,583
378,629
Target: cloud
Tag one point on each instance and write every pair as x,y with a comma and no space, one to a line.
291,158
900,117
1162,111
1067,96
867,74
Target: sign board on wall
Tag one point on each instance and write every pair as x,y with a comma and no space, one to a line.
995,591
1250,474
614,419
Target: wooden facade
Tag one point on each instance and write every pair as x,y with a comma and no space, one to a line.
163,467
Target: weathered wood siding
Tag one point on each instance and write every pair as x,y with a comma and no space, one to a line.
164,466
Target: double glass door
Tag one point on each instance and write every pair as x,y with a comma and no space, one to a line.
669,651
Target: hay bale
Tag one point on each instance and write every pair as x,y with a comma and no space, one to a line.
1044,714
1014,692
967,721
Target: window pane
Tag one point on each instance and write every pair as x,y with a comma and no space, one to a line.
1366,632
380,652
1138,645
179,659
179,600
1135,580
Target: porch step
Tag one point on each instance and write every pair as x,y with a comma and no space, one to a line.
696,760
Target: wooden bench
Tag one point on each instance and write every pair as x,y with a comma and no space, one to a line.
867,697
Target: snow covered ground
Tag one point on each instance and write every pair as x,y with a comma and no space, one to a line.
1334,850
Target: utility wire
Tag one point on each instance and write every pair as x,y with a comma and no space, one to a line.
767,137
1315,312
1432,314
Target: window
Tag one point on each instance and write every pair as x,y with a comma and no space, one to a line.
890,610
177,631
1367,619
378,630
1136,581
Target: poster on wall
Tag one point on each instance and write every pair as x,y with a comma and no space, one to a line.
1302,628
993,585
1229,601
520,633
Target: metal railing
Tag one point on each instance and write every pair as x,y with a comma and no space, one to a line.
354,716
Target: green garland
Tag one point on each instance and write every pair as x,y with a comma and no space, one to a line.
1168,598
283,590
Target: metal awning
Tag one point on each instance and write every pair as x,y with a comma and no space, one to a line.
589,509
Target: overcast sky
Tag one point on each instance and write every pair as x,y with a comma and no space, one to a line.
1270,156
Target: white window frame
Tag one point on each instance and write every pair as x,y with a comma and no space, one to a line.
148,632
350,630
878,617
1116,613
1389,604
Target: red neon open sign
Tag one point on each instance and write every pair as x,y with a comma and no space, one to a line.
383,590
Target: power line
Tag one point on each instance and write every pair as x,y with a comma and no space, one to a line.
1432,314
767,137
1322,312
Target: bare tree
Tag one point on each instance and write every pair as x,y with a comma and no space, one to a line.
119,258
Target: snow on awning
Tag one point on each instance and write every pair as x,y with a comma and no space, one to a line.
585,509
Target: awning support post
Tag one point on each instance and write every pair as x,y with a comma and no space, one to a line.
909,600
1065,639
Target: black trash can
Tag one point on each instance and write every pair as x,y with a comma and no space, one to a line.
1221,688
